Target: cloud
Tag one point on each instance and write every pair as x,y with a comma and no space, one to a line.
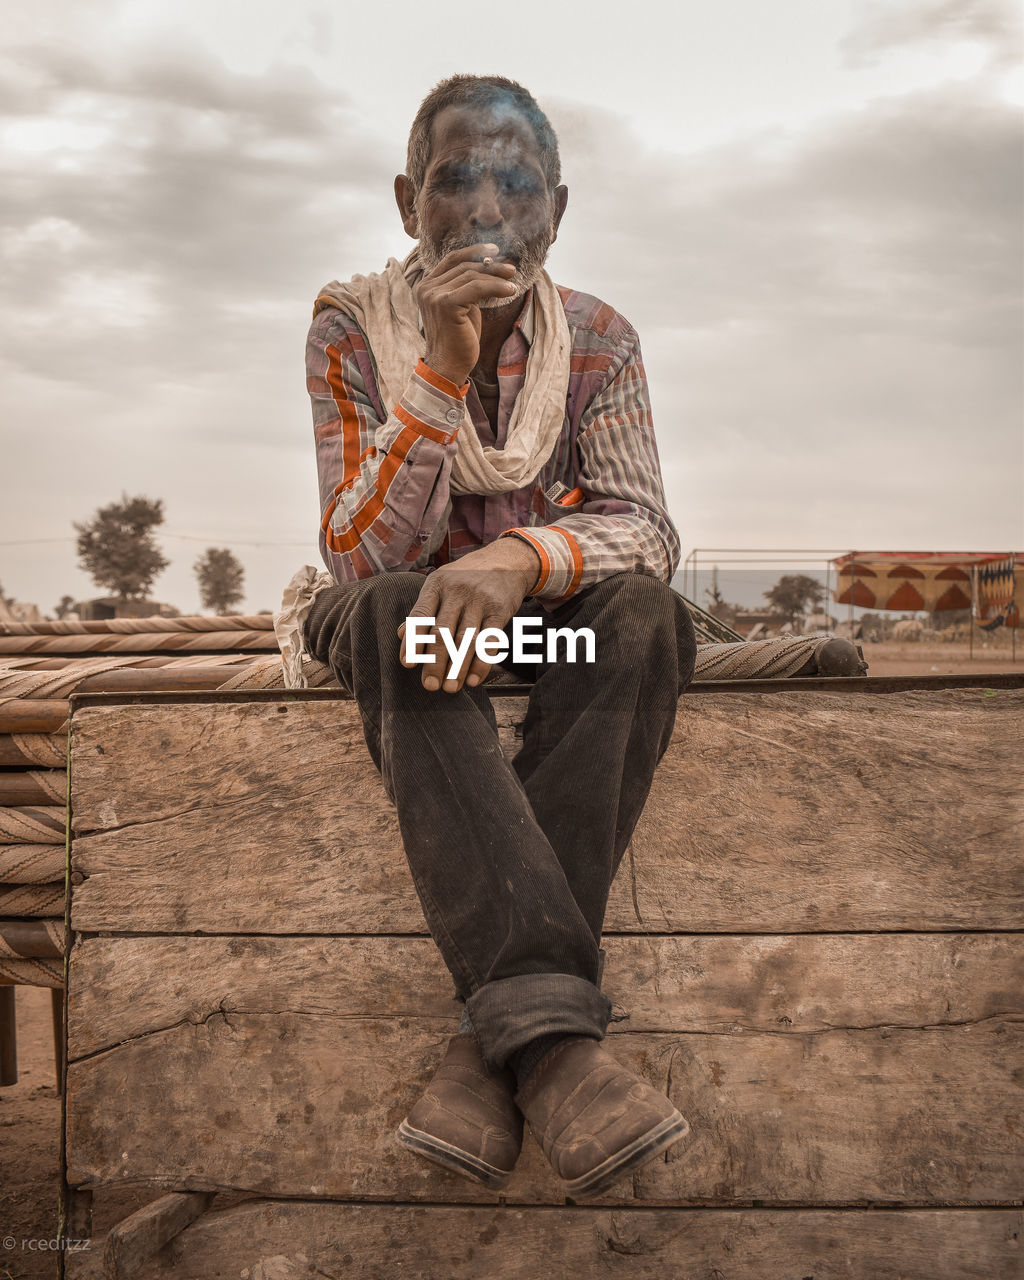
163,202
881,27
830,318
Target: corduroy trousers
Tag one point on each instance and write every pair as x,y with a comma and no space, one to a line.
513,861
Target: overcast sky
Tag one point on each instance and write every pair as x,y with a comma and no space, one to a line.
809,209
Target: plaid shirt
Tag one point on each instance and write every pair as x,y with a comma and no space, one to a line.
384,477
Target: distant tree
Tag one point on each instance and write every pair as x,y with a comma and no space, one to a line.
795,594
66,606
221,579
117,547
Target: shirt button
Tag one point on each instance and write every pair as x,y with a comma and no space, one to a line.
454,416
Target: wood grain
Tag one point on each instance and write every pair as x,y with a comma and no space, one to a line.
124,988
293,1085
771,812
131,1245
268,1240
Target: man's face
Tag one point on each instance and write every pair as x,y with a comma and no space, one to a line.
485,184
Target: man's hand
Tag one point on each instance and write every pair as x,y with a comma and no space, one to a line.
482,589
448,299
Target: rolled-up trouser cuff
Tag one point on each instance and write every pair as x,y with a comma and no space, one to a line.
509,1013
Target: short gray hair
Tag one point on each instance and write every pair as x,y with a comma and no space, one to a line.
482,92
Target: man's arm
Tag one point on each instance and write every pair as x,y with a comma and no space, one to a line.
623,524
383,483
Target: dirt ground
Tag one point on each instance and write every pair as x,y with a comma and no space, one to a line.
30,1146
934,658
30,1110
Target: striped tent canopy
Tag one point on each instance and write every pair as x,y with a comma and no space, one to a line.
989,582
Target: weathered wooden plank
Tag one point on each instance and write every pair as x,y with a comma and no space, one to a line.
276,1240
773,812
131,1245
123,988
295,1088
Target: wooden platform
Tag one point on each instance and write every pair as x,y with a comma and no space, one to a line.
814,945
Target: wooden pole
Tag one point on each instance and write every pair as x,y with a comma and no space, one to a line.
8,1037
57,1015
33,715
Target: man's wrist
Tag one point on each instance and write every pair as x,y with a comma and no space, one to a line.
524,556
452,373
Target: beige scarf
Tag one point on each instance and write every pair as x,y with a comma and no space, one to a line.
384,307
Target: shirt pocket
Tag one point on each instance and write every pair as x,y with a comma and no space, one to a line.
544,511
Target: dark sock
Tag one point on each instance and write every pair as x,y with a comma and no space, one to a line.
523,1061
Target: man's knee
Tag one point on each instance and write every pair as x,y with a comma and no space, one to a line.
650,616
390,596
638,592
383,600
641,605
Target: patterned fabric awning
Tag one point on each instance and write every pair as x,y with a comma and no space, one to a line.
936,581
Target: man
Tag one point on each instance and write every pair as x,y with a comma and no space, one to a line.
486,452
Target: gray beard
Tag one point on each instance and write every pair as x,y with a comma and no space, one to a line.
529,258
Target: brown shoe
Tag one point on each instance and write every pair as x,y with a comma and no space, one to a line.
594,1119
466,1119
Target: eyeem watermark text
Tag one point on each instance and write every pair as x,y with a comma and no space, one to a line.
491,644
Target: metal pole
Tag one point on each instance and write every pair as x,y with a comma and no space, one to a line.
974,605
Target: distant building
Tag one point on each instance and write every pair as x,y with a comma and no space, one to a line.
104,607
766,622
19,611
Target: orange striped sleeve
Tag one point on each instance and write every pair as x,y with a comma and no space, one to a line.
545,562
439,382
349,418
423,428
364,516
577,558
